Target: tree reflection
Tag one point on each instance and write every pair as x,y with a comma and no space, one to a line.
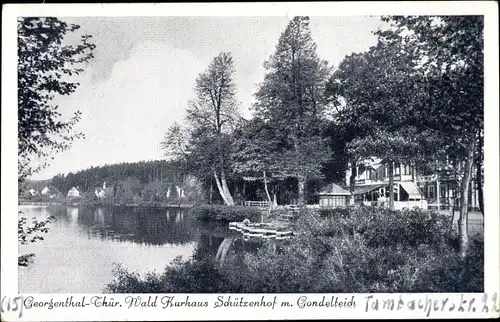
217,241
140,225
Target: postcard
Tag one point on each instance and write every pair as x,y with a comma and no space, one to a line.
257,161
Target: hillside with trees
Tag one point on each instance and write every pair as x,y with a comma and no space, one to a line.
144,182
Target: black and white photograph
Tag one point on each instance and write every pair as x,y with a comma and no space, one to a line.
226,154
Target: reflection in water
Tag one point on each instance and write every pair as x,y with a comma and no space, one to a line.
143,226
218,240
99,216
73,214
78,253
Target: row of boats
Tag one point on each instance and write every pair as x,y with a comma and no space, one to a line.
261,230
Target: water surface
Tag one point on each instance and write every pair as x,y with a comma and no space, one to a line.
78,253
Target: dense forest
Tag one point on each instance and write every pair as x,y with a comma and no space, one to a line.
160,181
138,182
144,172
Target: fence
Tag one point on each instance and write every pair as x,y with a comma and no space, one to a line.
260,204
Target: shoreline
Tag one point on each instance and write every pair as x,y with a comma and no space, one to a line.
76,204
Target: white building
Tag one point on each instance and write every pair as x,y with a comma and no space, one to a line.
101,192
45,191
372,183
73,193
437,191
180,192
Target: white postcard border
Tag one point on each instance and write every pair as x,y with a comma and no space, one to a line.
9,275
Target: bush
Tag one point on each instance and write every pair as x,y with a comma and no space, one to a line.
360,250
225,213
381,226
200,276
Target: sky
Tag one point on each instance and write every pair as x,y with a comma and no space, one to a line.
144,70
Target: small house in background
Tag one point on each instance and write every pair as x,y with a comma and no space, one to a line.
45,191
102,192
333,195
32,192
180,192
73,193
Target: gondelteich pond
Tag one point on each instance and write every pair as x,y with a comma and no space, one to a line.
78,253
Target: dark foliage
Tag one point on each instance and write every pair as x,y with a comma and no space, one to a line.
44,63
30,232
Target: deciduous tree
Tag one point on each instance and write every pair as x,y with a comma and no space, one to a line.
205,142
449,51
45,67
291,99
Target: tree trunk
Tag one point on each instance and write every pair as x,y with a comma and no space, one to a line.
464,202
244,191
479,174
301,179
229,198
391,185
479,182
352,181
220,188
453,214
302,188
266,189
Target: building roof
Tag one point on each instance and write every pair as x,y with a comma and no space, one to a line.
334,189
359,190
408,186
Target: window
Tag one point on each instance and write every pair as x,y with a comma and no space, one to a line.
431,191
397,168
333,201
406,170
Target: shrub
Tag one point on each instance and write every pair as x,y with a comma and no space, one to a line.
200,276
381,226
225,213
131,282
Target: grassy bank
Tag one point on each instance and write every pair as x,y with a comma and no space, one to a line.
349,250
